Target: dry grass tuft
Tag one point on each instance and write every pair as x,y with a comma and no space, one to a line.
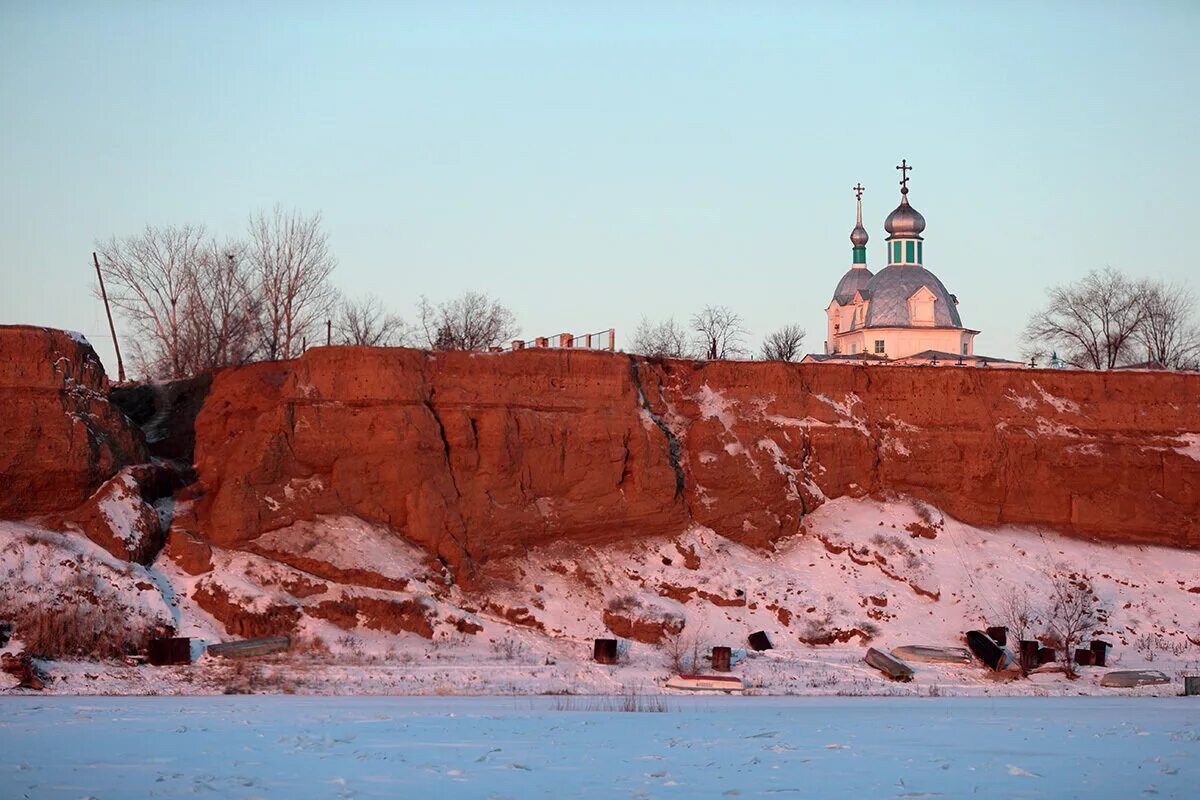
75,624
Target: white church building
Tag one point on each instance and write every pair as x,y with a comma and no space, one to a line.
903,314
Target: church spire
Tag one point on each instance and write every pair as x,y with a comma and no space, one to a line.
904,227
858,236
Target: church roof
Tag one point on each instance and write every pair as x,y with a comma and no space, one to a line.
890,290
855,279
941,355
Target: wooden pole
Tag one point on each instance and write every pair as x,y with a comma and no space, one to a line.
108,311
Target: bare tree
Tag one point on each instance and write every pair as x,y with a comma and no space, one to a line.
719,332
365,322
663,339
222,309
292,264
784,344
1017,612
472,321
687,649
1071,614
1169,331
1091,323
150,276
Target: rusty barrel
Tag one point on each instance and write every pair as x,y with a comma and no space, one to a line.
166,650
605,651
721,658
1029,653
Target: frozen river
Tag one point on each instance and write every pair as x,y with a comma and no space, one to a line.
432,747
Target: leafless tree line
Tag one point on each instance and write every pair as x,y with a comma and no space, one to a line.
1108,319
715,333
192,303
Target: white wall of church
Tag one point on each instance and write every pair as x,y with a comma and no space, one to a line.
902,342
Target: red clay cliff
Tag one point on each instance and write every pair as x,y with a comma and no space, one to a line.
60,437
475,456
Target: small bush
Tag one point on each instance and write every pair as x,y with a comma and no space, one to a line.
76,624
626,602
508,648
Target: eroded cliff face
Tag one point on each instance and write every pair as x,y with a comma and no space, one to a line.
60,438
478,456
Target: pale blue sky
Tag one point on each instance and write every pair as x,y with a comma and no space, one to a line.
588,164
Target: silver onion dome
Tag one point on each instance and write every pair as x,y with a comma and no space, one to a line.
905,222
858,236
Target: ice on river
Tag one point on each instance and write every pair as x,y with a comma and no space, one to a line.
360,747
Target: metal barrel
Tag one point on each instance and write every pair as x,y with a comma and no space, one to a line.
721,657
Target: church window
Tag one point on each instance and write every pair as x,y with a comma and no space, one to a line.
853,348
895,252
879,345
920,257
964,348
910,252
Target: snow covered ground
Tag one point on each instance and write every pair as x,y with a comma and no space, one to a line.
864,573
302,747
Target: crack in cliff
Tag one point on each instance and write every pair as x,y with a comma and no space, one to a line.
672,442
441,428
624,461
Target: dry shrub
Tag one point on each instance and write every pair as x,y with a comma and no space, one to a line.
76,624
243,676
625,602
305,647
1070,614
687,651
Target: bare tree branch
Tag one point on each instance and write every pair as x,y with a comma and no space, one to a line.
150,276
472,321
720,333
1169,333
1091,323
366,322
222,309
784,344
1070,614
663,339
292,264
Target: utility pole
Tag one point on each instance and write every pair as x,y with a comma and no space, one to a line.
108,311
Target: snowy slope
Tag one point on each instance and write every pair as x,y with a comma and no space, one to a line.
864,572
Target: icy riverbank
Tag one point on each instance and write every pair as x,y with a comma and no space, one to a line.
275,747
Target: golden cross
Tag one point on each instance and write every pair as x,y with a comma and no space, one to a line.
904,169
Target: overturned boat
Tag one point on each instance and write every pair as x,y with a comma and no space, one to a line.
931,654
707,683
1130,678
988,651
892,667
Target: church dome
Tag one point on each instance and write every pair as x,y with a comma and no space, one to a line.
858,236
905,222
893,286
854,280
